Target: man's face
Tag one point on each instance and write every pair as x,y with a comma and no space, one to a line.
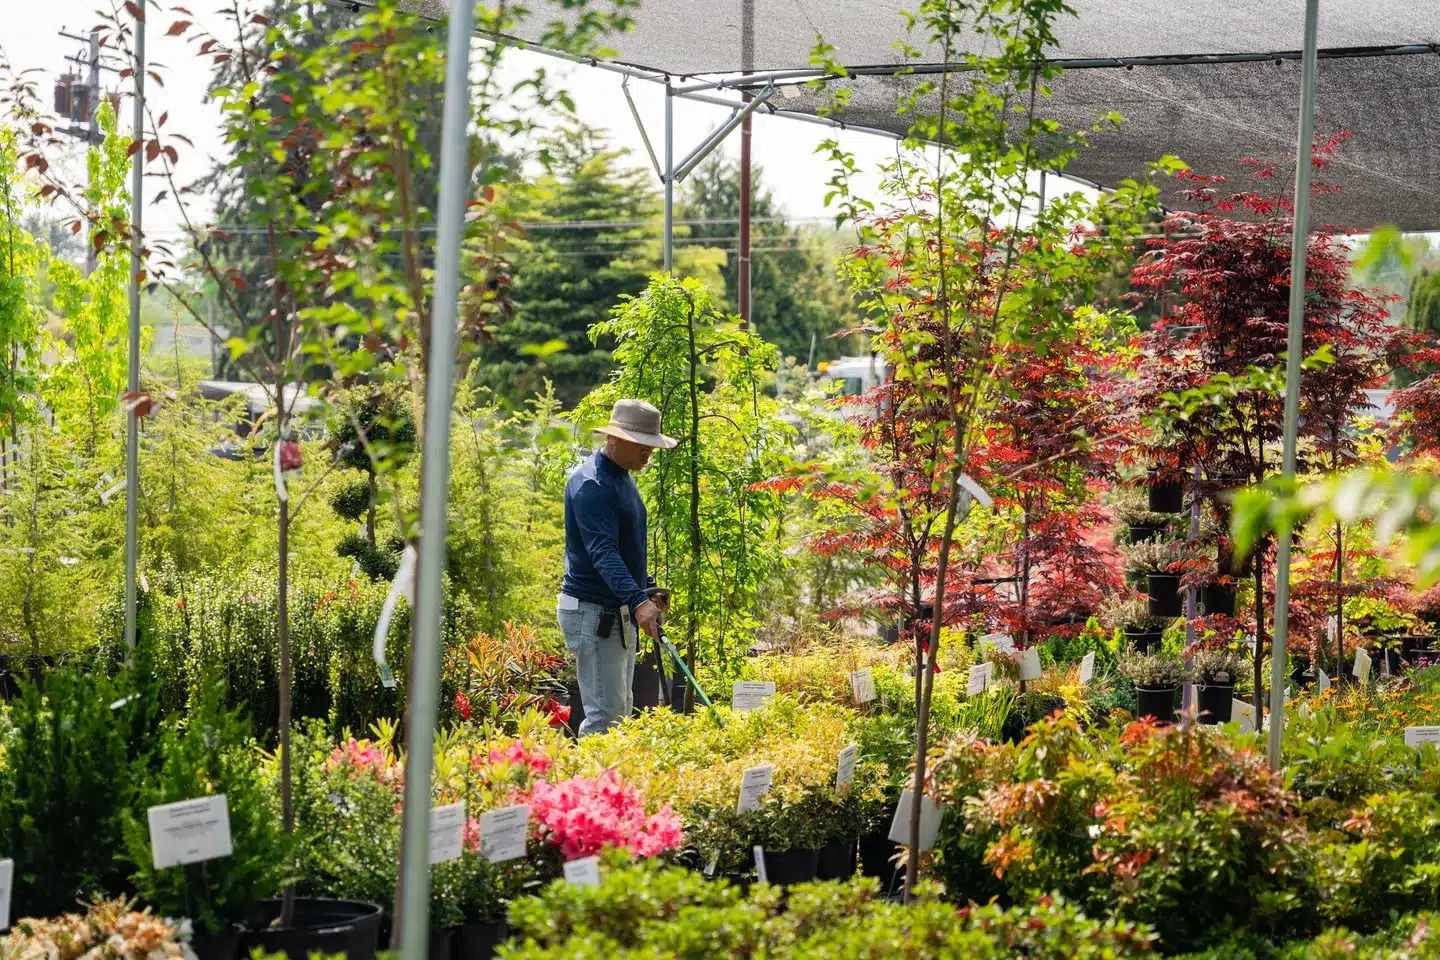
627,454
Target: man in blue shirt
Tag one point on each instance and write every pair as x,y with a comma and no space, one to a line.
603,600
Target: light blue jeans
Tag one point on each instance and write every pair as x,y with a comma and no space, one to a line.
605,667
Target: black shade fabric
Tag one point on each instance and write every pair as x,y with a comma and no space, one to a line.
1371,82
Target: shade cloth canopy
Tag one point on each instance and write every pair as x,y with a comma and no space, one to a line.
1378,79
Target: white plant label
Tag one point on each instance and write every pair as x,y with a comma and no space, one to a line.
760,873
710,867
1304,711
190,831
1361,667
931,813
748,695
503,833
7,880
980,675
862,685
447,832
1000,641
1087,667
584,872
1322,683
845,769
1030,665
754,784
975,490
1414,736
1332,627
1244,713
403,585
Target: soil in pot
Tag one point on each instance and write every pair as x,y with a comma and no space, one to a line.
477,941
1166,496
837,860
1217,599
216,946
1165,599
877,853
1215,701
348,927
1158,703
1146,641
791,866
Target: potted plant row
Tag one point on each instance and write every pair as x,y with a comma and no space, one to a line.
1142,629
1156,677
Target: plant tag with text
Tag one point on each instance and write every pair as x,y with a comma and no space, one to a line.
1414,736
447,832
1244,713
584,872
748,695
845,770
7,881
1000,641
1322,682
862,685
754,784
1361,667
503,832
760,865
931,813
980,675
1087,667
189,831
1030,664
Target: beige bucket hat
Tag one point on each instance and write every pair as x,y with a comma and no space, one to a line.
638,422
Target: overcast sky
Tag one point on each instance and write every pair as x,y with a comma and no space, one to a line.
784,149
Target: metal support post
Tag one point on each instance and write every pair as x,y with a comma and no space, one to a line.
424,691
640,125
132,412
1298,246
747,63
718,137
669,179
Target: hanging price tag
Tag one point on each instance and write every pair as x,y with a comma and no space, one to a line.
1002,642
503,833
980,675
862,685
1030,665
1361,667
931,814
1087,667
189,831
845,770
754,784
447,832
1322,682
748,695
584,872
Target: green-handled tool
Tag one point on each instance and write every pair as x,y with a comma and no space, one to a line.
680,661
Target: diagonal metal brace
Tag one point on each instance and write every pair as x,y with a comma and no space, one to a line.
644,138
715,139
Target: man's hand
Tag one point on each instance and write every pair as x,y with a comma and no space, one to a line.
661,599
647,618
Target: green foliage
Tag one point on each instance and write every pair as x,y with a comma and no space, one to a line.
21,261
209,753
713,534
64,784
350,501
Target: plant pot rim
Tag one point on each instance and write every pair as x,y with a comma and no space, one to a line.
1140,689
362,910
1203,684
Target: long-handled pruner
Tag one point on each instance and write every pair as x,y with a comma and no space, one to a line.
680,662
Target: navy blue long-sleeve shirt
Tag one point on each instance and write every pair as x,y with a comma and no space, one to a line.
604,535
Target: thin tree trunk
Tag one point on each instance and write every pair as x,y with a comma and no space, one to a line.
370,517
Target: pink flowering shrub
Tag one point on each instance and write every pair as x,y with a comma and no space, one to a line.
358,756
584,815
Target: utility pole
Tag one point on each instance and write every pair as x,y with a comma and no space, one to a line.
91,132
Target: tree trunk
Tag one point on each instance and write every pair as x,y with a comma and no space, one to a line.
1340,600
287,805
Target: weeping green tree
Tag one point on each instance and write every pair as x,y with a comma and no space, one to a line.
712,532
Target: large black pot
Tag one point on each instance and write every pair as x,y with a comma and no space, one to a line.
477,941
1166,496
1158,703
442,943
1217,599
791,866
577,709
1302,675
877,852
837,860
646,685
348,927
1412,644
1165,599
216,946
1215,701
1139,533
1143,640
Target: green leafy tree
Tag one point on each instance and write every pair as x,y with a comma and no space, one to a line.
21,261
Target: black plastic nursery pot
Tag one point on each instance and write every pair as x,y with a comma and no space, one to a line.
1139,533
1218,599
216,946
1302,675
1143,640
577,709
791,866
442,943
837,860
1166,496
1411,644
1158,703
348,927
1215,701
1164,590
646,685
877,859
478,941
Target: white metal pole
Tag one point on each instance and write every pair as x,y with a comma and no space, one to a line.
132,422
1298,247
669,179
424,686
